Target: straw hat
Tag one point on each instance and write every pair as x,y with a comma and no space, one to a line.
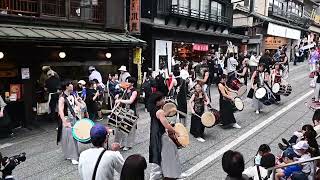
45,68
82,82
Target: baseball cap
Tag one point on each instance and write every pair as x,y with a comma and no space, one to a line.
288,154
98,131
301,145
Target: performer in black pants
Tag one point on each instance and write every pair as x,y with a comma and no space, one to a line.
226,106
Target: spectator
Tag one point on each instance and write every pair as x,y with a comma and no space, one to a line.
52,85
98,159
267,60
82,92
232,64
277,54
92,100
267,161
233,165
289,170
313,59
302,147
94,74
297,136
113,87
148,87
253,63
5,122
133,168
123,74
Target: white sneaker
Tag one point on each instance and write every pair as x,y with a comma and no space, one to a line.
126,149
236,125
74,162
257,112
201,139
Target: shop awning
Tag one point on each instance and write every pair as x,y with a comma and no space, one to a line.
46,34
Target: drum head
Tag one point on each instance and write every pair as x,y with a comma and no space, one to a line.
276,88
168,106
183,134
238,103
208,119
260,93
81,130
242,90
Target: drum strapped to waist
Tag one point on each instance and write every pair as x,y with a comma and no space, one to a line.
282,89
210,118
238,104
265,96
236,85
81,130
182,138
122,118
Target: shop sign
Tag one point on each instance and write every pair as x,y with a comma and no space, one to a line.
137,55
134,21
274,42
315,17
25,73
200,47
281,31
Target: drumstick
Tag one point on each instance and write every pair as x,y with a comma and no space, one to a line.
196,115
182,113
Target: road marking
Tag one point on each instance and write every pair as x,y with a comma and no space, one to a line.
5,145
238,140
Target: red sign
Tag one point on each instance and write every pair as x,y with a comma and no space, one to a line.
134,21
200,47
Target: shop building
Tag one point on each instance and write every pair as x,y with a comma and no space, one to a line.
185,28
68,35
270,24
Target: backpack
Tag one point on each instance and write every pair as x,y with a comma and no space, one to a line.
160,84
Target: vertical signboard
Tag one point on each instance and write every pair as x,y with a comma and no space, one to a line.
134,21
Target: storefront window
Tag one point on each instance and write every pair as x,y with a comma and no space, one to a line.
195,8
184,3
216,10
174,2
204,8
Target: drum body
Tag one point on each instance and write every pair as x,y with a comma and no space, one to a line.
114,119
81,130
169,104
276,88
182,138
266,97
288,90
238,103
211,118
129,120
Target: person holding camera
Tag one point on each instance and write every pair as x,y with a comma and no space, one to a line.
98,162
8,164
5,129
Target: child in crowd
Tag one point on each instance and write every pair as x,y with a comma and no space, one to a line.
286,172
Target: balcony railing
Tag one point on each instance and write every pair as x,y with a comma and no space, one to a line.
276,11
64,9
196,14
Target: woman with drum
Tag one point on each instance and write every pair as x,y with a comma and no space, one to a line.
258,80
163,152
128,101
198,102
276,76
226,104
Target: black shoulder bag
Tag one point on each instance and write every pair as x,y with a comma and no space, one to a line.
97,164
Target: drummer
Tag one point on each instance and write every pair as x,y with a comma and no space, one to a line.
276,76
199,100
226,106
258,79
163,153
129,102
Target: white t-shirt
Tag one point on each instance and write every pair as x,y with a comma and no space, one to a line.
232,64
306,167
110,161
184,74
96,75
253,61
252,172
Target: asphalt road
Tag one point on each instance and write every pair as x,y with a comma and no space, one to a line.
200,160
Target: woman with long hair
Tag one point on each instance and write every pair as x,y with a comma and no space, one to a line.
133,168
226,106
197,103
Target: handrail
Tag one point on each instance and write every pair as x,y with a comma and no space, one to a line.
273,169
294,163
